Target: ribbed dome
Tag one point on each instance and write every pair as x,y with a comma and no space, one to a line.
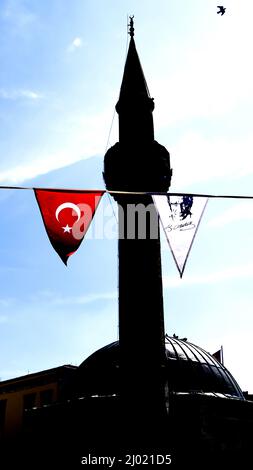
190,369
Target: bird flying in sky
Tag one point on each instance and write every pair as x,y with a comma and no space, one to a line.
221,10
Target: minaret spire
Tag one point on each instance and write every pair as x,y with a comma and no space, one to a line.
135,104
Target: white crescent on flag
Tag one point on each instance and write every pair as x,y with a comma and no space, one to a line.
68,205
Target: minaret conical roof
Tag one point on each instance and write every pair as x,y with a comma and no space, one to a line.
133,82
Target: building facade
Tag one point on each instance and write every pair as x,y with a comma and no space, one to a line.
21,394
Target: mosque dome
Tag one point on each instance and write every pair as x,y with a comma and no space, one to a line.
189,369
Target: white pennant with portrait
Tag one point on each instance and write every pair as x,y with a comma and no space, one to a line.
180,217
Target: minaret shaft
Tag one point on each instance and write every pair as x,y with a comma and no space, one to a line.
141,323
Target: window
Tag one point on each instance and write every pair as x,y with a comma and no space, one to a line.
46,397
29,401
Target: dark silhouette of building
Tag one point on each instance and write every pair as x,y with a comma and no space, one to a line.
208,418
148,395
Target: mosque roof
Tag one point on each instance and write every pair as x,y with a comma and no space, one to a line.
190,369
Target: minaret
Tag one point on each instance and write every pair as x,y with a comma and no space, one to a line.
137,163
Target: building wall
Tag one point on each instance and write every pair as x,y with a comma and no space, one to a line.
18,400
32,392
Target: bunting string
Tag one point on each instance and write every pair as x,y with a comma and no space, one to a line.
148,193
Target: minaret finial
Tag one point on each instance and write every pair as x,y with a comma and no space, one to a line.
131,26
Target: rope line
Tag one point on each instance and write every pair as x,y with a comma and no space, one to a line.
140,193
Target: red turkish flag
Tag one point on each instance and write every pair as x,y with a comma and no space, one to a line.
67,216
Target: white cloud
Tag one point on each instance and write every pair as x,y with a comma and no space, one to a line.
19,94
53,298
83,136
34,168
30,94
234,272
5,303
75,44
85,299
17,15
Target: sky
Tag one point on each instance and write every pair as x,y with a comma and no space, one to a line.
61,69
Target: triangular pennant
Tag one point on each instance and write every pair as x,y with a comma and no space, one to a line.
67,216
180,217
218,355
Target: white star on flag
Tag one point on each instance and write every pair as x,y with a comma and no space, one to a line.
66,229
